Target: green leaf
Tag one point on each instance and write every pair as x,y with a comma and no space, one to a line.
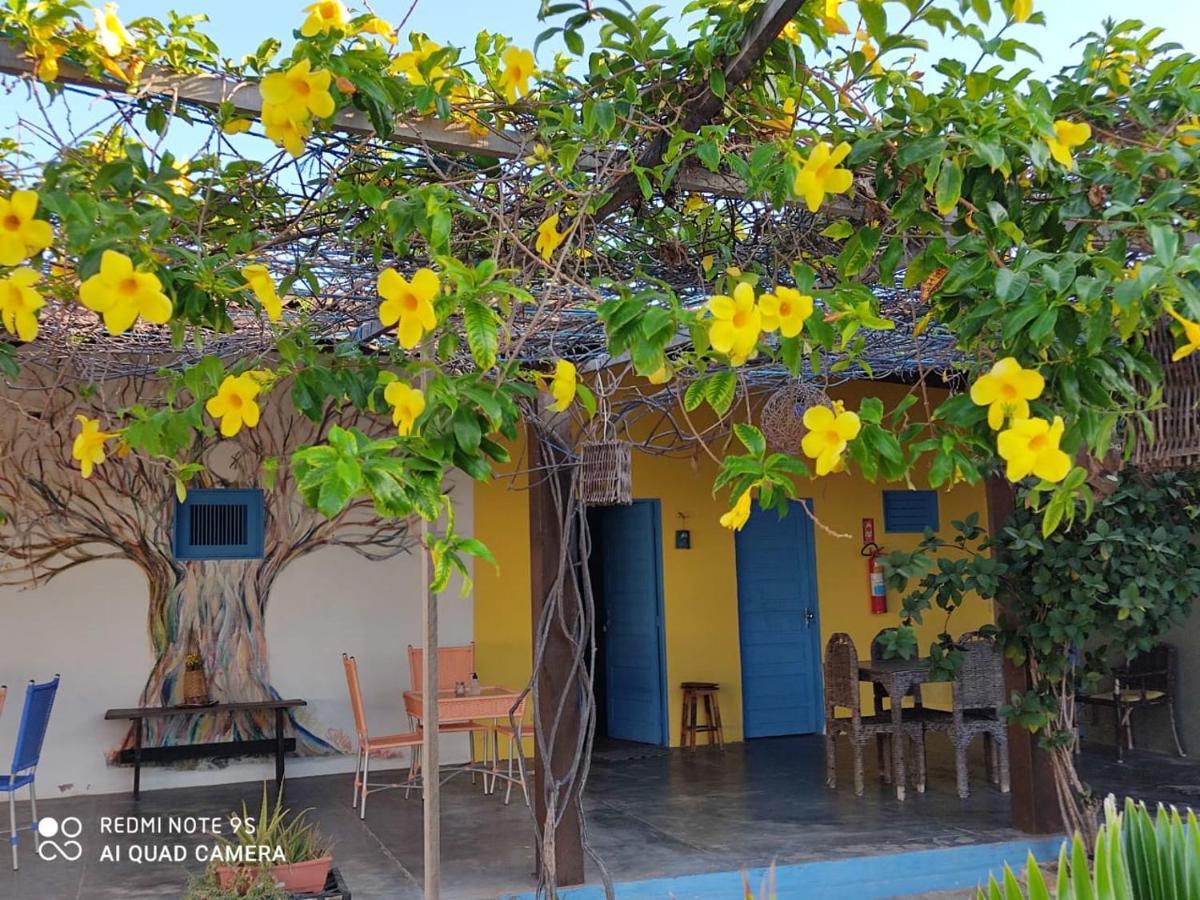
949,187
483,338
721,389
752,439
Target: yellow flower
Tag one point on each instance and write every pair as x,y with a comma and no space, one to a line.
110,32
236,126
820,174
1006,391
21,235
286,132
739,515
234,403
260,281
563,386
829,431
121,294
707,263
831,19
19,303
1191,336
411,305
298,92
1066,136
661,375
46,57
1030,446
791,33
1189,131
785,311
409,63
549,238
518,69
380,28
694,203
1121,65
88,448
786,118
736,323
407,404
324,16
1022,10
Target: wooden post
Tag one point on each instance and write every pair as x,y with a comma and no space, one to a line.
555,673
431,782
1034,800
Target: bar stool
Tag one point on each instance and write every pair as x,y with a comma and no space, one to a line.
695,692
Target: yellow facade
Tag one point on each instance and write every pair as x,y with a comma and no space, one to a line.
700,584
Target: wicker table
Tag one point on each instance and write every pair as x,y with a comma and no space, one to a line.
897,677
489,704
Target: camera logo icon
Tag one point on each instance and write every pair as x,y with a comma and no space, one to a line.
57,838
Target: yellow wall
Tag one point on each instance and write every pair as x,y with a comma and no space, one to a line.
700,584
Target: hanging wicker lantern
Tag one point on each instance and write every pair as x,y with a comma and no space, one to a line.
606,473
1176,443
782,419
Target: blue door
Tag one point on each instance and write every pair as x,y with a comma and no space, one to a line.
777,619
631,571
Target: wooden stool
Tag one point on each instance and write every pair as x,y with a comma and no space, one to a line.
694,691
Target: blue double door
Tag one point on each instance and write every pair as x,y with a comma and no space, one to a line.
627,570
778,622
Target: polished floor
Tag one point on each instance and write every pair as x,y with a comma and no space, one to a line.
667,814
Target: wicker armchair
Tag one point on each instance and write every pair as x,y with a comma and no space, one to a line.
1149,680
842,691
978,693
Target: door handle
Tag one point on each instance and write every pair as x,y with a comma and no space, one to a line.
809,615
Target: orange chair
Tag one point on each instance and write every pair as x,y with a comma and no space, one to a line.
515,746
368,745
455,664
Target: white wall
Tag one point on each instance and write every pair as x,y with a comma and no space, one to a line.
89,625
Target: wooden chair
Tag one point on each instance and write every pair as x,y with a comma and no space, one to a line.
977,695
504,728
842,691
455,664
368,745
1149,680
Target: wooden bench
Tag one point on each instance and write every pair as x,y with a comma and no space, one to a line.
137,754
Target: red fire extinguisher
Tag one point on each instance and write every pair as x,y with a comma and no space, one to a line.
876,589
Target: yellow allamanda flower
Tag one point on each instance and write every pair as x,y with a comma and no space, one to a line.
737,517
236,126
661,375
323,17
121,294
830,430
19,303
785,119
791,33
298,93
549,238
820,174
286,132
564,385
407,404
1188,133
518,69
736,323
409,305
1067,135
378,27
831,19
110,33
260,281
1006,391
1191,336
1030,447
785,310
235,404
1120,64
694,204
409,63
88,447
1022,10
22,235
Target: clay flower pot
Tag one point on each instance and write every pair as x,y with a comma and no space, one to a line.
297,878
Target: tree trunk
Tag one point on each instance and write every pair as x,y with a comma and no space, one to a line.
219,609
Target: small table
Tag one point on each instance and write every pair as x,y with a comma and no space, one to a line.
490,703
896,676
138,715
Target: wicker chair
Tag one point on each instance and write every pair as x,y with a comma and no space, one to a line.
842,691
1149,680
978,693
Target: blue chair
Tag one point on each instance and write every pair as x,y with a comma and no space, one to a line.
39,698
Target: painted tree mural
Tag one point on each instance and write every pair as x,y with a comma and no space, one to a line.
53,521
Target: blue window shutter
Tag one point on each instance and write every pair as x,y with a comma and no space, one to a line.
910,511
219,523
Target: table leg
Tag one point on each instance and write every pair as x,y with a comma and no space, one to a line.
137,758
278,748
897,699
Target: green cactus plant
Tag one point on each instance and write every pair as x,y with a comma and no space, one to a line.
1137,857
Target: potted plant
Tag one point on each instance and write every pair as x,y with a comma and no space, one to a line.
247,883
307,857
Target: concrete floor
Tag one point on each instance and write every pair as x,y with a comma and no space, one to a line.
674,814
